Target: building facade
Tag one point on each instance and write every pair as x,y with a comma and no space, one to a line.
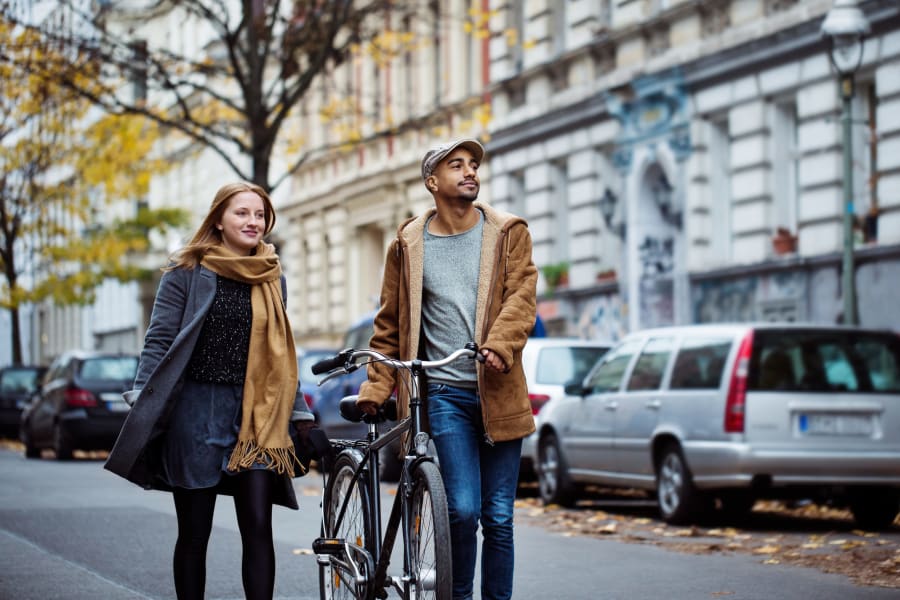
342,209
678,161
682,160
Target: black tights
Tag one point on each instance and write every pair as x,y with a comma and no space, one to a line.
253,492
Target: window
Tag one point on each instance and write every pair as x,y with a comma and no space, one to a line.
559,200
408,71
19,381
720,191
359,336
516,26
785,157
700,363
110,369
437,63
825,361
607,375
651,365
139,70
559,366
558,27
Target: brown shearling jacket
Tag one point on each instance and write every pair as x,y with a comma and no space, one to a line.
505,314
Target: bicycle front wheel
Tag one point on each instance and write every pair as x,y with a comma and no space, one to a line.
428,535
347,575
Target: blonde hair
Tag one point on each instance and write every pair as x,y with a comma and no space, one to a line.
208,235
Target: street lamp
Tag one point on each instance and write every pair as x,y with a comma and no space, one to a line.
845,25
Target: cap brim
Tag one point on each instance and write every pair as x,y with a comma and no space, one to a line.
472,146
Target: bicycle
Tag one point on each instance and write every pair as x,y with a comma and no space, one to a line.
353,554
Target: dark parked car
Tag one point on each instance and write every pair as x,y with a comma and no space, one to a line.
309,383
17,384
79,404
326,407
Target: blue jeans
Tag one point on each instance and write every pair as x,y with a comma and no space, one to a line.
480,479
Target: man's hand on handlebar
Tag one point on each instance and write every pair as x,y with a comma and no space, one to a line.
493,360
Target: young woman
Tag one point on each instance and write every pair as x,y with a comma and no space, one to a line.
216,391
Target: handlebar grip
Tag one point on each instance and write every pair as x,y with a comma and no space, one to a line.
327,364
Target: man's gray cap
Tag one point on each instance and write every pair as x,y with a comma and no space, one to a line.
434,156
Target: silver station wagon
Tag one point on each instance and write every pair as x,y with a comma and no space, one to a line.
721,415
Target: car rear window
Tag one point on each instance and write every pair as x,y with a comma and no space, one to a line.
823,361
19,381
699,363
359,336
117,368
562,364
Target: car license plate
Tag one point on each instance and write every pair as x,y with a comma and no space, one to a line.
120,406
114,402
834,424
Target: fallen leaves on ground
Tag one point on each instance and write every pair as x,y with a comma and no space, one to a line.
805,535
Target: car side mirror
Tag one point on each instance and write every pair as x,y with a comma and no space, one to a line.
574,388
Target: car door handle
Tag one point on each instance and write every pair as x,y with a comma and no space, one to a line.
654,404
611,406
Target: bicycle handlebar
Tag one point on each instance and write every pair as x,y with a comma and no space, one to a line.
345,360
327,364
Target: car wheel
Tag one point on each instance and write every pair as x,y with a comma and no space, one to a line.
31,451
875,508
62,446
678,499
554,483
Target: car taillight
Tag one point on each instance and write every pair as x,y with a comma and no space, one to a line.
537,402
736,402
80,398
309,400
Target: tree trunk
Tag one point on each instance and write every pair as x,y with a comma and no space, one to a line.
16,335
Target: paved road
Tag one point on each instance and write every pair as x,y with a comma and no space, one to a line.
73,531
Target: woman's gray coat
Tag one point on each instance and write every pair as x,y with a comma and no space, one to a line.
182,301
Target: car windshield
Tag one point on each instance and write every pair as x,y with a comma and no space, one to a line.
109,368
19,381
819,361
562,364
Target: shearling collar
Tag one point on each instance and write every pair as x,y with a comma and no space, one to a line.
411,235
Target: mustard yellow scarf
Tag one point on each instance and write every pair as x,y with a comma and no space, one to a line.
270,383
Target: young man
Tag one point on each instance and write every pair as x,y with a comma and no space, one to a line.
463,272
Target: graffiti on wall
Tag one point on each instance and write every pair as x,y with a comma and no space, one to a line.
657,298
776,296
602,318
657,255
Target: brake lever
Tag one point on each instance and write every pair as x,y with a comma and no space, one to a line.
332,374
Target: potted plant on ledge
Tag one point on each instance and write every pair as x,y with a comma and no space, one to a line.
556,275
606,275
784,242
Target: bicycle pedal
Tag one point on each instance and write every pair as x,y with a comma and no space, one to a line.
328,545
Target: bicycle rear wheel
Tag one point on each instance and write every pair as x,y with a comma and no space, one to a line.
429,536
338,577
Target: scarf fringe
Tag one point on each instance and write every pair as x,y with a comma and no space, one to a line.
281,460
